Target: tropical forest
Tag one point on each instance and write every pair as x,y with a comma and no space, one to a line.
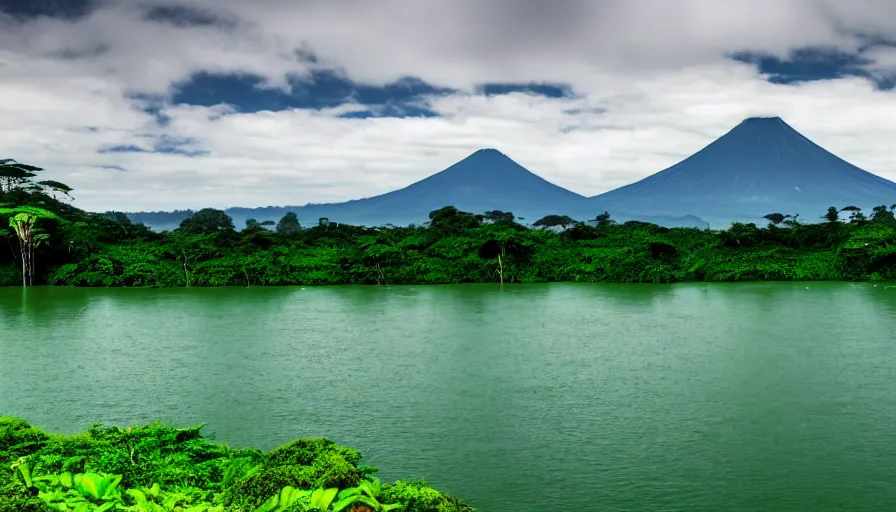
50,241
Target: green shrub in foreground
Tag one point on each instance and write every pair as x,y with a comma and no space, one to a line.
158,468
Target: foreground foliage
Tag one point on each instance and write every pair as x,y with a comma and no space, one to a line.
75,248
158,468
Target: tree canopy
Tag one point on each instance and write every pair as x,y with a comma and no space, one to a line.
14,174
499,216
550,221
118,217
288,224
205,221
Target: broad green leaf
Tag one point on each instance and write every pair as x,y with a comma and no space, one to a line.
105,506
343,503
290,495
111,487
25,469
89,484
370,502
322,498
202,507
138,496
51,496
371,487
269,505
351,491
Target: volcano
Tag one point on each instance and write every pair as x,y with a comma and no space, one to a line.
761,166
485,180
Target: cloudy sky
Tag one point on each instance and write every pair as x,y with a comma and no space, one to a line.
163,104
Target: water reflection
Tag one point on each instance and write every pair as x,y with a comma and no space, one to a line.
39,303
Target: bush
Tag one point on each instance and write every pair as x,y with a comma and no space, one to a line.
15,497
19,439
417,497
303,464
10,275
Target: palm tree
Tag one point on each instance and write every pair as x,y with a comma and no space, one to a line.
833,215
22,221
855,215
13,173
55,187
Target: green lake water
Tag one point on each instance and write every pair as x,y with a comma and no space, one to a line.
692,397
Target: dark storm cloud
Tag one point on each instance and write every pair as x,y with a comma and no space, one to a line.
66,9
184,16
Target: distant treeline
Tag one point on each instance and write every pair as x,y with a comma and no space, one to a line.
50,241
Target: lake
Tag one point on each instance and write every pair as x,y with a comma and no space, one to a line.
690,397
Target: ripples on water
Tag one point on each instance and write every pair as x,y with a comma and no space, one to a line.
528,398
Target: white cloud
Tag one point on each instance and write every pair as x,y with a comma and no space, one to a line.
883,62
657,69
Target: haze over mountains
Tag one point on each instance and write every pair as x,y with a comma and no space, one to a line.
761,166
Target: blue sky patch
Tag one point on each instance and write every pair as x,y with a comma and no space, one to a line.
327,89
548,90
165,144
324,89
390,110
809,64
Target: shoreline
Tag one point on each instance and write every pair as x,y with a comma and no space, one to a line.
481,283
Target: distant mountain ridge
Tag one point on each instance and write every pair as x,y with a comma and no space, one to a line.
761,166
485,180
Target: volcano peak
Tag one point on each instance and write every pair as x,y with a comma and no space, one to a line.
760,166
487,153
762,118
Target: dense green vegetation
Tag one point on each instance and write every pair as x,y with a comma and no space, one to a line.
50,241
158,468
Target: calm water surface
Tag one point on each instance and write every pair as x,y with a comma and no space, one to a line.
527,398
